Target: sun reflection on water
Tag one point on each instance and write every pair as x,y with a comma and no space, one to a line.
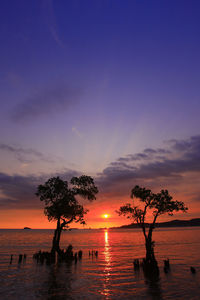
106,238
107,269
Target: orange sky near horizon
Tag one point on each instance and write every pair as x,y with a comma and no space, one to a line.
35,218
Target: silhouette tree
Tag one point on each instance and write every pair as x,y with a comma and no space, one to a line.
61,203
158,204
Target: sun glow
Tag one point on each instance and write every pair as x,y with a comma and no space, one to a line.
105,216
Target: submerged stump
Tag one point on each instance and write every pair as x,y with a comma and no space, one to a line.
62,256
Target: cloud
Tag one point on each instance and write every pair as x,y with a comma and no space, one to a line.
177,166
25,155
14,79
180,158
51,21
44,102
77,132
18,191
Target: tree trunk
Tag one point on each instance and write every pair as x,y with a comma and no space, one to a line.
53,248
56,239
150,257
151,269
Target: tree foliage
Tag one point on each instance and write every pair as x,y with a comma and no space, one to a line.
60,199
61,204
159,204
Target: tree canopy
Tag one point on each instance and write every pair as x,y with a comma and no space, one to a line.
61,204
60,198
160,203
157,204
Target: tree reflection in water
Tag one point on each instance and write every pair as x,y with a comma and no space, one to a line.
58,283
152,280
107,269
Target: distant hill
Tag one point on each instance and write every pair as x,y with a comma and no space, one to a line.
174,223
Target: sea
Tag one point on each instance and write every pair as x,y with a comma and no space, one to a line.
110,275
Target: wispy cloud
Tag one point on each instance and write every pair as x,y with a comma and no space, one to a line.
44,102
77,132
19,191
51,21
14,79
25,155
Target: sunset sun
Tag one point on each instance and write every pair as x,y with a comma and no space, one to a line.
105,216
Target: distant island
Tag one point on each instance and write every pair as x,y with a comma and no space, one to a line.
174,223
27,228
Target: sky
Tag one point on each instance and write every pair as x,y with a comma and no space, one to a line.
109,89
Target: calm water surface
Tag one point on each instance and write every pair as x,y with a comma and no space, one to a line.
110,276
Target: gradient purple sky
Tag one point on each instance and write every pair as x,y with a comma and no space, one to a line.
109,89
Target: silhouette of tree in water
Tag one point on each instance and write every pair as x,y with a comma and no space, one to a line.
158,204
61,204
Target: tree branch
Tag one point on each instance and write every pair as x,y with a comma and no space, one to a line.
152,226
66,222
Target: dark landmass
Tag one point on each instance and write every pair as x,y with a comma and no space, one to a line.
174,223
27,228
